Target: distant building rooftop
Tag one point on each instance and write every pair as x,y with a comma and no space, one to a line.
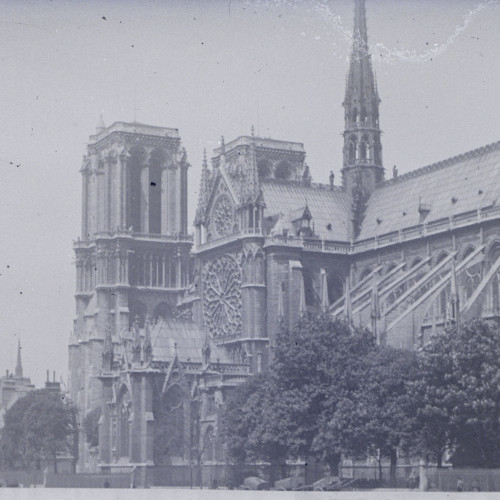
135,128
262,142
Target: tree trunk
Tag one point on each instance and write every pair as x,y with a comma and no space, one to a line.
439,459
334,462
394,460
380,468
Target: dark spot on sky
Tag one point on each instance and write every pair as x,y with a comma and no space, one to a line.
153,183
104,18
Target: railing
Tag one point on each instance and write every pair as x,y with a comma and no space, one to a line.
229,238
440,225
119,233
325,246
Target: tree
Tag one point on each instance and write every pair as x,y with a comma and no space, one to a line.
458,394
375,419
91,426
316,366
37,427
279,415
243,424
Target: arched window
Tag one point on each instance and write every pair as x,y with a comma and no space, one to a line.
173,405
390,267
162,310
363,117
442,300
366,272
493,296
416,260
310,293
283,170
250,216
134,167
137,311
208,445
355,115
352,148
265,168
155,187
375,114
335,287
123,425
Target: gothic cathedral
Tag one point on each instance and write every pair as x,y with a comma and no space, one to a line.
166,326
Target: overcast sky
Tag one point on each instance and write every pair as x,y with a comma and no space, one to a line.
209,68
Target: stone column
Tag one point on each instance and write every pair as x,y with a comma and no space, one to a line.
100,205
145,199
172,201
110,176
183,199
121,190
179,269
165,228
85,181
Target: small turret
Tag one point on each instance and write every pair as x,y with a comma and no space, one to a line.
19,365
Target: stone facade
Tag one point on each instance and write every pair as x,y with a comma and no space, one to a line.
163,331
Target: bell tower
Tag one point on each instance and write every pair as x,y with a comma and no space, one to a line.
362,165
132,259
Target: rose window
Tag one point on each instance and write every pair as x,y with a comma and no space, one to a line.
222,297
222,215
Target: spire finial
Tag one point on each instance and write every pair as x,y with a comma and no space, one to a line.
360,33
222,145
100,126
252,131
19,365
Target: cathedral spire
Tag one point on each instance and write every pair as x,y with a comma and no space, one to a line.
362,146
204,190
19,365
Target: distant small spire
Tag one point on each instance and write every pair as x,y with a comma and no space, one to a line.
332,179
204,191
222,145
19,365
252,131
100,126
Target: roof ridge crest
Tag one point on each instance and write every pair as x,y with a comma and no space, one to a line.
441,164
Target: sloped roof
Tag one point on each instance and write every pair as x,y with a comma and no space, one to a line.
184,338
329,208
457,185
